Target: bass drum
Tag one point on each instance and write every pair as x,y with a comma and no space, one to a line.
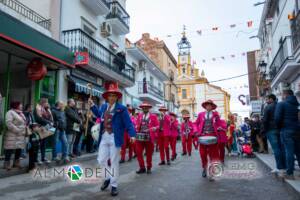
208,140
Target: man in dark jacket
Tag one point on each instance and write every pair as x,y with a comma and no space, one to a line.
60,123
73,127
272,132
286,117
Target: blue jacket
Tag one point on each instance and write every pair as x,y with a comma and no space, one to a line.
286,114
120,122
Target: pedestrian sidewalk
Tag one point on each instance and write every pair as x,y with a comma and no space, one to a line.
269,161
24,163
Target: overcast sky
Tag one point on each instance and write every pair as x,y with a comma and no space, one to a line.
161,18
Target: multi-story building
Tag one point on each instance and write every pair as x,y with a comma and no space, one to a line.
30,55
194,89
279,37
150,79
158,51
95,30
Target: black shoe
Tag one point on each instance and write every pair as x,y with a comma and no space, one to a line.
162,163
190,154
121,161
105,184
183,154
175,156
168,162
204,173
114,191
172,159
130,159
149,171
141,171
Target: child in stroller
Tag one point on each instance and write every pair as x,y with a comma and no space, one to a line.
244,143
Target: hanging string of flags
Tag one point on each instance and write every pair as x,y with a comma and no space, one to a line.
231,56
248,24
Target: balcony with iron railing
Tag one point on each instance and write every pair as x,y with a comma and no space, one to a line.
148,88
284,53
79,41
27,13
118,18
295,30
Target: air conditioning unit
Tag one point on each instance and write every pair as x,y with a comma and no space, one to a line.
105,30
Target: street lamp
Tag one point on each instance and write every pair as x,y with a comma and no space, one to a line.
259,3
263,66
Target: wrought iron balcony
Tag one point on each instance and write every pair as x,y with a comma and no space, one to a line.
79,41
118,18
27,12
148,88
283,54
295,29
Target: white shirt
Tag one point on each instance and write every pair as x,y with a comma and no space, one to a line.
208,115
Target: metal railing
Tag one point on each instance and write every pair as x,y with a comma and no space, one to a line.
27,12
117,11
283,54
148,88
79,41
295,29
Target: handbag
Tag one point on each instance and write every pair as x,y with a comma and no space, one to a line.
46,131
76,127
28,131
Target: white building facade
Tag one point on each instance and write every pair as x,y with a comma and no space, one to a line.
149,85
98,28
279,35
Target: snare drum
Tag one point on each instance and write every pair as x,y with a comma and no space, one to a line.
208,140
143,137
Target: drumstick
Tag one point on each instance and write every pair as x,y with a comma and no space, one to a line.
89,86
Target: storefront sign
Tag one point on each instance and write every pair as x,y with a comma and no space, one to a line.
256,106
36,70
81,58
90,78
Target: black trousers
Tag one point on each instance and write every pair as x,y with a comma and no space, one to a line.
9,152
33,156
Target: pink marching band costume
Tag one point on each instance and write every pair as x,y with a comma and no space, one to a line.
222,139
187,135
146,123
174,134
164,136
208,125
128,144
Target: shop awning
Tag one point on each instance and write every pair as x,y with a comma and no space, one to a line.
22,35
81,86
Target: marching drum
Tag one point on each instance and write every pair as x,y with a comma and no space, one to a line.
143,137
207,140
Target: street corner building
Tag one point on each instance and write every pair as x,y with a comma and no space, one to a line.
30,55
60,50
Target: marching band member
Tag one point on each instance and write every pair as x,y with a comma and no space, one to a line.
187,133
207,124
127,143
114,120
164,135
147,126
222,139
174,134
